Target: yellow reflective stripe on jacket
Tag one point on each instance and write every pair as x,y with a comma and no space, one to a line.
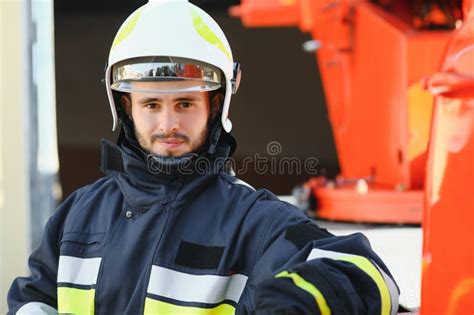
75,301
301,283
370,268
367,266
158,307
207,34
392,288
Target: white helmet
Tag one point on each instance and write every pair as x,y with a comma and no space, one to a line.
172,40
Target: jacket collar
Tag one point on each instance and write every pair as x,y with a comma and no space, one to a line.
144,186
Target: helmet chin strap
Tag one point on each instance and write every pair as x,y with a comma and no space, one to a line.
215,132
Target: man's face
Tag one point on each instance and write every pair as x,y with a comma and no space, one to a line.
169,124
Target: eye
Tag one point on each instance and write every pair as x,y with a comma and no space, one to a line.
185,105
151,105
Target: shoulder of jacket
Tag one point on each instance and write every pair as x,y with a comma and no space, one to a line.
263,196
278,210
237,183
99,185
84,193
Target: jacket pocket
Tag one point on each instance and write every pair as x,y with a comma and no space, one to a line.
81,245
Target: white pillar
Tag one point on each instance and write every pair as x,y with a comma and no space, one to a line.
14,178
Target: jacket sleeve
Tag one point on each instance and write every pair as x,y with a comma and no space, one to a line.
304,269
36,294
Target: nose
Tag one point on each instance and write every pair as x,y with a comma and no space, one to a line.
168,121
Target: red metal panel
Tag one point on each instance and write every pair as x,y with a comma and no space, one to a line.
448,245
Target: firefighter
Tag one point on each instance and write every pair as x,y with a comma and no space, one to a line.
157,234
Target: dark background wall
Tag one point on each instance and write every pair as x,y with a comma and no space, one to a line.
280,98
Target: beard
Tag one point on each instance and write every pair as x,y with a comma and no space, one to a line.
194,144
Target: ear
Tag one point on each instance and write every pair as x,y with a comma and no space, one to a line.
126,104
216,103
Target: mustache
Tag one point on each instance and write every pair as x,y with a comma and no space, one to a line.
172,135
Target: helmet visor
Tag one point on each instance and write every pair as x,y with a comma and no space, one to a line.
195,76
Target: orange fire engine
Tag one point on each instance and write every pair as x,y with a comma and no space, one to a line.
399,83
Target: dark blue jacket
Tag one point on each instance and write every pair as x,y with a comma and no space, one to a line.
135,242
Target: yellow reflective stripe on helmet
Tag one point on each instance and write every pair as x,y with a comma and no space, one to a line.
365,265
158,307
75,301
128,28
206,33
301,283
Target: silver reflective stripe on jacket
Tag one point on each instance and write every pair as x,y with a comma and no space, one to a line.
36,308
210,289
74,270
